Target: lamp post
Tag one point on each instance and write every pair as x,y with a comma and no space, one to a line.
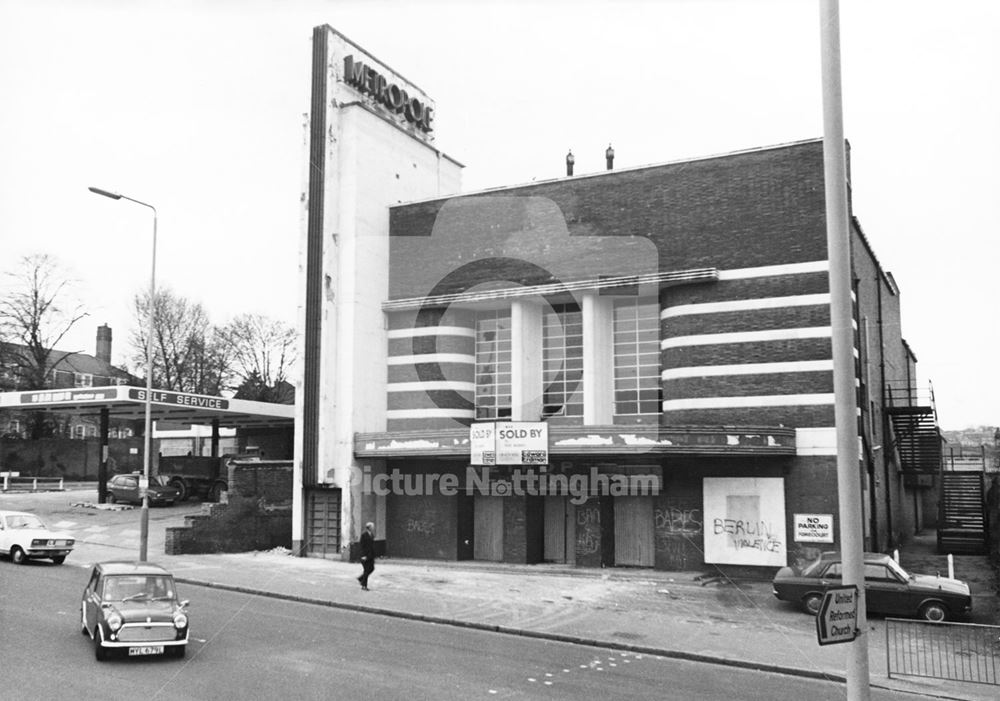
147,433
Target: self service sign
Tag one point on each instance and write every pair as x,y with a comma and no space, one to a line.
509,443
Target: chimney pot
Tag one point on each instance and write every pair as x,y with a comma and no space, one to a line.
103,343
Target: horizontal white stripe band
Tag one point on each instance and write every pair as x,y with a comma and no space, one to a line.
746,337
821,440
433,331
430,414
456,385
748,369
737,305
740,402
816,266
431,358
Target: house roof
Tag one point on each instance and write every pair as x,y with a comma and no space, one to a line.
72,362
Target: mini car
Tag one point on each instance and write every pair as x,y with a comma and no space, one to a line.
24,536
125,489
889,589
133,607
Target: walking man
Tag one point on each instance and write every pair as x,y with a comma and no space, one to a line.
367,554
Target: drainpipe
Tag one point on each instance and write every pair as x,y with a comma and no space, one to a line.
883,419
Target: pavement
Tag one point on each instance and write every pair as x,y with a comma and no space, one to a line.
672,614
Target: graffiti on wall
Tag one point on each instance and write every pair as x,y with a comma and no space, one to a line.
745,521
679,522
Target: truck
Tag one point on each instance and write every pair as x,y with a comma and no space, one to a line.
203,477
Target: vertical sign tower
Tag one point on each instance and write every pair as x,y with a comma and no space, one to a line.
369,145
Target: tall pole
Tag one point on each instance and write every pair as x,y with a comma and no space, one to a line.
841,317
148,431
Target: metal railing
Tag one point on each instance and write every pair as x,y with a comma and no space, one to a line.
32,484
962,652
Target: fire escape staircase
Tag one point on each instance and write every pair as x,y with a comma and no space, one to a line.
917,439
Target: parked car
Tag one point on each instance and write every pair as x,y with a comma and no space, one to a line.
889,589
125,489
133,606
24,536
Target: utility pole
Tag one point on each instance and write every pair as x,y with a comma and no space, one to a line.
841,318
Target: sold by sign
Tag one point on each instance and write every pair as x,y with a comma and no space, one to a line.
509,443
837,620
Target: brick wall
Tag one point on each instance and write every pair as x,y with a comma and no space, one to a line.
77,459
256,516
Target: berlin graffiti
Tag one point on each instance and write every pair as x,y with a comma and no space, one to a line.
753,535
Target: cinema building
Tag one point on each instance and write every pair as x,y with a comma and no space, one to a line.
666,327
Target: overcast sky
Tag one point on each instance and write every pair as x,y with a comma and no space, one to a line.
198,108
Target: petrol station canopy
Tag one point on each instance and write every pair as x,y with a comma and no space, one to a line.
129,403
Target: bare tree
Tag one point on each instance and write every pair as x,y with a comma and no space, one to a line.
37,309
263,351
189,353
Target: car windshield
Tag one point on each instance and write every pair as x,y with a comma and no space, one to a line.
899,571
135,587
813,567
24,521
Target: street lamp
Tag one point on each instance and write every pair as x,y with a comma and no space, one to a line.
147,433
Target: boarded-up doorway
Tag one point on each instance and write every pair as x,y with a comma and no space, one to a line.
488,528
555,529
634,532
323,522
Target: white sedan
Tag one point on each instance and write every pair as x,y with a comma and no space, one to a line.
24,536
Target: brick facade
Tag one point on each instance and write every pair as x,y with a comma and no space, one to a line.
256,516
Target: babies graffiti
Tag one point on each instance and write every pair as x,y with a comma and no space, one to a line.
678,521
744,535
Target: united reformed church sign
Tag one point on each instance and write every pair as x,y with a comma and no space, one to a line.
367,80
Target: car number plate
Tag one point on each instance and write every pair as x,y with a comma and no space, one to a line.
145,650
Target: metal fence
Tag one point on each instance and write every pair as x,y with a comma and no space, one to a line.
14,483
963,652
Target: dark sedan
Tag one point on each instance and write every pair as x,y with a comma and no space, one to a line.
125,488
889,589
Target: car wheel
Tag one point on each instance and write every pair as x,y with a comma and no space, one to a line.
59,559
181,487
934,611
99,652
812,602
17,556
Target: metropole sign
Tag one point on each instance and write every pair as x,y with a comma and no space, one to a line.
837,620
